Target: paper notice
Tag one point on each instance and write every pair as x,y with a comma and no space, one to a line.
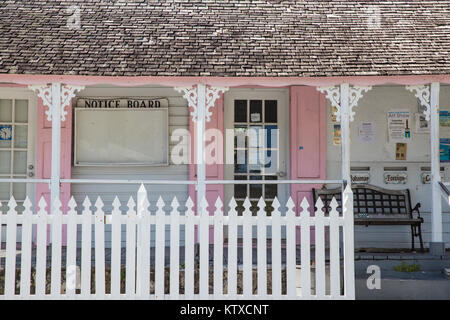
366,132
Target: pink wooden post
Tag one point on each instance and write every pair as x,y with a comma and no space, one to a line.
44,154
308,144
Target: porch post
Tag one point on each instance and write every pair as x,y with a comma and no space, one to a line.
200,142
345,132
429,98
56,143
437,246
55,97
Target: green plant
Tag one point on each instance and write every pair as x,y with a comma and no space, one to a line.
407,268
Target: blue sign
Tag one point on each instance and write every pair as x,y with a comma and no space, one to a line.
444,148
6,133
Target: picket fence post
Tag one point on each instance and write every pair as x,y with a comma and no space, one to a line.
349,245
71,251
189,251
41,249
143,249
25,263
130,269
305,248
56,227
10,263
116,249
218,250
174,250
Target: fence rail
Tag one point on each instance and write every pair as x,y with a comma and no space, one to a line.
137,279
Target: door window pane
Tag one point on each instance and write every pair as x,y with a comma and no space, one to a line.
20,162
240,190
4,192
271,162
256,111
21,110
271,136
254,161
5,162
19,191
20,136
240,136
270,191
240,111
240,161
270,111
5,110
255,189
255,137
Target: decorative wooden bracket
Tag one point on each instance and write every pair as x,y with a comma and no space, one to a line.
191,95
333,94
44,91
423,94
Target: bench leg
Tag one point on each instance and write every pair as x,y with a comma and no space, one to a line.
420,238
412,238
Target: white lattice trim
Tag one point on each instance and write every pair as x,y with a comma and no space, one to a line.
191,95
355,93
423,94
333,94
44,92
212,94
67,93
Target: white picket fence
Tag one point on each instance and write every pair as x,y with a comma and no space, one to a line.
138,267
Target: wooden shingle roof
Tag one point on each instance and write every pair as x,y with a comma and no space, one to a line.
224,37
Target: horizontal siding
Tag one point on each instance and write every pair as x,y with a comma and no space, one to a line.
178,119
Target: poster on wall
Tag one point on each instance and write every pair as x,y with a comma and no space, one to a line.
444,118
422,125
366,132
398,125
334,112
336,134
400,151
444,148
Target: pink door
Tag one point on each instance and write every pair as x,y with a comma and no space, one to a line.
307,140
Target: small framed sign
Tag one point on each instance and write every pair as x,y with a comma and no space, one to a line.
360,177
395,177
6,133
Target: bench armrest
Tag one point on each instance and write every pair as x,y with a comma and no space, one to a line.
416,209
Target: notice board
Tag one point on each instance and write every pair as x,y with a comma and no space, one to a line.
121,137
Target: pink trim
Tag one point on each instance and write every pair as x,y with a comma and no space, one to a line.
214,171
224,81
308,149
44,154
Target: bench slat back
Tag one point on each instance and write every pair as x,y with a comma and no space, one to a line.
370,201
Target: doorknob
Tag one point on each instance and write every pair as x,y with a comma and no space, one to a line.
281,174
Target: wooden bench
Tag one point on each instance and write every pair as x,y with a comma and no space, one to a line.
377,206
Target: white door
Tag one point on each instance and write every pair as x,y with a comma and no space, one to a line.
257,156
17,135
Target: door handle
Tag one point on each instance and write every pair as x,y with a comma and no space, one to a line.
281,174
